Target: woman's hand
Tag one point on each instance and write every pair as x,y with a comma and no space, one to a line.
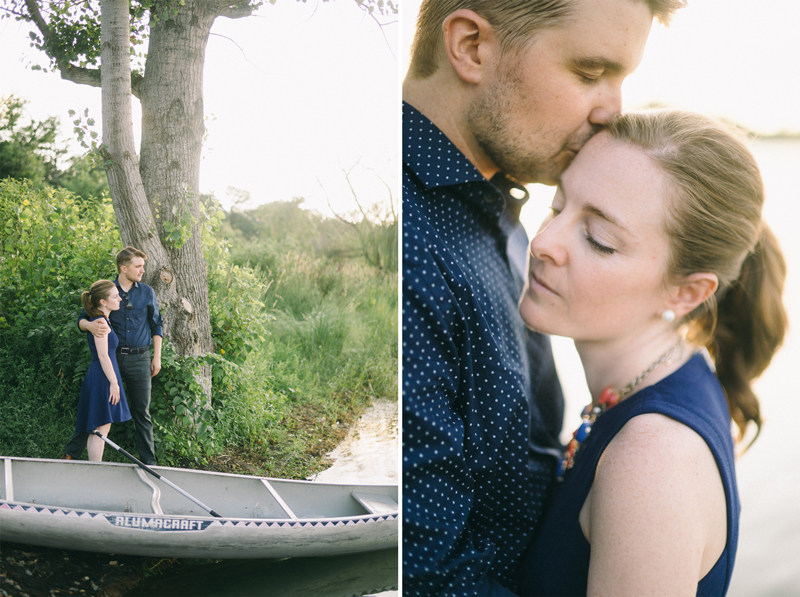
113,397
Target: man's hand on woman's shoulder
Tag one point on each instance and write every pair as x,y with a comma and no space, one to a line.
98,328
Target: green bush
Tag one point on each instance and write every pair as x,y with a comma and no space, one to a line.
51,248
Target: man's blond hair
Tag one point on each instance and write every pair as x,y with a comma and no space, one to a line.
515,22
126,255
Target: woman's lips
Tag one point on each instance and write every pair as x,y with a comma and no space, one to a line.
536,281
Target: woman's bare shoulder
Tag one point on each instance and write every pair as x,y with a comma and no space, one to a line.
657,497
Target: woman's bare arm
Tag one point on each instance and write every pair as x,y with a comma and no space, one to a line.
101,343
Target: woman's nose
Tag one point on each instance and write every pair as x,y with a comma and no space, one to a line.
548,244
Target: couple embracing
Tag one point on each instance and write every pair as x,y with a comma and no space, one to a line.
121,320
654,259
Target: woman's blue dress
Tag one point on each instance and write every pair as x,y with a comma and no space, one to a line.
94,409
557,562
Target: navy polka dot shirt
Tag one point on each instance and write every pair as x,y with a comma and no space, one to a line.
481,401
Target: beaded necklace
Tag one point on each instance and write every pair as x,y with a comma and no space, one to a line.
608,399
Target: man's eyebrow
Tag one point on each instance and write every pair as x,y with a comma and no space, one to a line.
599,63
594,210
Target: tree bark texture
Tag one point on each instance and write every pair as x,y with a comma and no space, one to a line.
119,151
172,138
166,179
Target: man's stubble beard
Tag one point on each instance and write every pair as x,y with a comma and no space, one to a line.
524,159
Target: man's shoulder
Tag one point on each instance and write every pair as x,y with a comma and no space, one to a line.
146,289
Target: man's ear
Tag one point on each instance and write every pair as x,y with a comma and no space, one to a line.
468,41
692,292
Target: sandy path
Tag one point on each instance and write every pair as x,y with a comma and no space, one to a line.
370,452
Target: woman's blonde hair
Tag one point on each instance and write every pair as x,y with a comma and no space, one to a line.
715,226
100,290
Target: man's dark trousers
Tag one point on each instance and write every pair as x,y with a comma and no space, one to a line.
135,372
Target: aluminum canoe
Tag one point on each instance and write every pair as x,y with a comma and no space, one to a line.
119,508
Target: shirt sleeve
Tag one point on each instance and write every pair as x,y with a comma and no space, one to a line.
82,315
154,319
441,552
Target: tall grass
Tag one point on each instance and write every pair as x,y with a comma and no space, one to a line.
330,351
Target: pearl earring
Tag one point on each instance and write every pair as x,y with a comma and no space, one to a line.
668,315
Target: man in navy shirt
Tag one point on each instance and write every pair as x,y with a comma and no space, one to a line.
497,94
135,323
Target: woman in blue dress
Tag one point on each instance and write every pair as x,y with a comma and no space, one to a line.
102,399
656,261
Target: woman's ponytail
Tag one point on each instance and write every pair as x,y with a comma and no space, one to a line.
751,324
90,299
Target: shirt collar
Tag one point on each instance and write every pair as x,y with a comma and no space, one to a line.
437,162
119,286
431,155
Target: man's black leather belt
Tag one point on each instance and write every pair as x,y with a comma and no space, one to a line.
129,350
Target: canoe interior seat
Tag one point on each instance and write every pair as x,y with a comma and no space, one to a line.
375,503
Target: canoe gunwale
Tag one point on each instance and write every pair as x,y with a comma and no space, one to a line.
27,506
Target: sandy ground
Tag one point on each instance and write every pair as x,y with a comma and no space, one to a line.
369,454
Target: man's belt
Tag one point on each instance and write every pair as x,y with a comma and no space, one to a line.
130,350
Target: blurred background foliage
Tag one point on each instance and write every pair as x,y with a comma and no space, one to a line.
303,311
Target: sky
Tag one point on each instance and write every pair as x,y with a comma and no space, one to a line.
293,96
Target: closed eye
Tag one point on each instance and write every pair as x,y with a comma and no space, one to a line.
600,248
589,78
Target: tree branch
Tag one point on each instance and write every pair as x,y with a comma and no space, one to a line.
38,20
70,72
80,75
352,190
333,211
91,77
380,26
236,10
391,197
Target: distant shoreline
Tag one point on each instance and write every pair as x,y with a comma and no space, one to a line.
776,137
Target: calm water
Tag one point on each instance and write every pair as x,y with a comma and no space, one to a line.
768,558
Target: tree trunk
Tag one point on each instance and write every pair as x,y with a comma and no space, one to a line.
163,188
118,149
172,138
